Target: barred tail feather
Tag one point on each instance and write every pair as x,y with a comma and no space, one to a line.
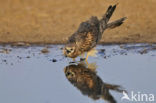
109,13
106,17
116,23
117,88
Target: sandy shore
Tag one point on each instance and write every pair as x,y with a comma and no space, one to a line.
52,21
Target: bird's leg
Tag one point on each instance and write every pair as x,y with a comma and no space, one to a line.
87,58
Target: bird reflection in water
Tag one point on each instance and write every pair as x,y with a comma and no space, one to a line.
89,83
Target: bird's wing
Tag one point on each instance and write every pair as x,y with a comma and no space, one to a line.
84,27
92,25
80,33
86,41
86,36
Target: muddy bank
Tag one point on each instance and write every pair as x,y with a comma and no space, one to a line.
51,21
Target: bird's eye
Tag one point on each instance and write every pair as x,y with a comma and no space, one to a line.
69,74
71,49
67,51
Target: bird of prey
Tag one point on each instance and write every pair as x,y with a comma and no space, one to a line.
89,34
89,83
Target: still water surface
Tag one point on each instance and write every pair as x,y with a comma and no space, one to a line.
29,76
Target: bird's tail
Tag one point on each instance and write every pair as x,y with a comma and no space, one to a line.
107,95
104,21
116,23
117,88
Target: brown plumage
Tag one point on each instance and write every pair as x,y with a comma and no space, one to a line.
89,34
89,83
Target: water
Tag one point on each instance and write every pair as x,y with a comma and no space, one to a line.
29,76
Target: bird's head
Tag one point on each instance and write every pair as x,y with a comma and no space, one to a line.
69,50
70,73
